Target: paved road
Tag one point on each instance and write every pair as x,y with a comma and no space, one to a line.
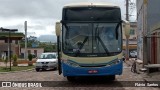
60,82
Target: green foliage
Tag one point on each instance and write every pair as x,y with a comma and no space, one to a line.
30,57
48,46
29,42
15,58
15,68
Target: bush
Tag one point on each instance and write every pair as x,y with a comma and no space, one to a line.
30,57
15,58
30,60
15,63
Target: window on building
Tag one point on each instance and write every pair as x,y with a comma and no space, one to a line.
35,53
132,32
16,41
6,41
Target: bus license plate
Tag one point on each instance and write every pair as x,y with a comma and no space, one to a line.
92,71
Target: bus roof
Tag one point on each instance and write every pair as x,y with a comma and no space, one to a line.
90,5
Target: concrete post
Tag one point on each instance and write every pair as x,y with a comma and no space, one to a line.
25,27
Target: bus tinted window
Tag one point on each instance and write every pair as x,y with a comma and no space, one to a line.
92,14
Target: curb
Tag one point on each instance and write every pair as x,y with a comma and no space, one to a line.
18,71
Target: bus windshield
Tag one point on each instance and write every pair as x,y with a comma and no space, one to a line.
92,39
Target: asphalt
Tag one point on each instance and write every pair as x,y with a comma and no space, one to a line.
155,76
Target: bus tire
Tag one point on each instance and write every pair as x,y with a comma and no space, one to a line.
112,77
70,78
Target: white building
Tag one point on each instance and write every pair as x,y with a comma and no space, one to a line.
148,24
33,51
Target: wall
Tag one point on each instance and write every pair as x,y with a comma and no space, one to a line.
140,28
153,13
39,50
4,47
148,16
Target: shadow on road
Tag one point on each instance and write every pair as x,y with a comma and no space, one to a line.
95,81
86,82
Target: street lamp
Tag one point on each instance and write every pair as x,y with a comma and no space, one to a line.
9,44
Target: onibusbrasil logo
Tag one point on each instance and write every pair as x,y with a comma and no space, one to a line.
21,84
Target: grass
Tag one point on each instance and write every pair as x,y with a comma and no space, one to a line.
15,68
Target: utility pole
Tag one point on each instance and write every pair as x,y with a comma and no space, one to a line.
127,37
25,28
146,56
127,10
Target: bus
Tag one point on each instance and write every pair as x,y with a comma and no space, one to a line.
89,40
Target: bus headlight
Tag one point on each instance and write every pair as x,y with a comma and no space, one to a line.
116,61
71,63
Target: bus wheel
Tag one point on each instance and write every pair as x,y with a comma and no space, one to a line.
112,77
70,78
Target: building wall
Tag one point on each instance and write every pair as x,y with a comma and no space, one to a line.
140,28
155,44
4,47
39,51
153,13
148,16
153,18
158,48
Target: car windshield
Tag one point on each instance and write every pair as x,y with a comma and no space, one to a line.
47,56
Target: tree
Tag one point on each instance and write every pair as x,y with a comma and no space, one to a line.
48,46
30,60
30,41
15,63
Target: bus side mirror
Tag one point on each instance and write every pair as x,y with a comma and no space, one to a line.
58,28
126,28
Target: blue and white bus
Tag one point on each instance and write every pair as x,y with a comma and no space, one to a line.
89,40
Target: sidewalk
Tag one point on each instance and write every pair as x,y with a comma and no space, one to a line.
2,64
155,76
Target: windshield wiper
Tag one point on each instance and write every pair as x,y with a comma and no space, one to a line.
81,46
100,40
103,45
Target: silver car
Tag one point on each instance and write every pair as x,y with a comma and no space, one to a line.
46,61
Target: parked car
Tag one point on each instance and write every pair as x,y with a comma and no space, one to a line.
46,61
133,54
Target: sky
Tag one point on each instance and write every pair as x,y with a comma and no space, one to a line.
40,15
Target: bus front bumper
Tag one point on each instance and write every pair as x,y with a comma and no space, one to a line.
92,71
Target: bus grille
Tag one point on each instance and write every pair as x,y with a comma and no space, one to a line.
92,65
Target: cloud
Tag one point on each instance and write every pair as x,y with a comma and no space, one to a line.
29,9
41,15
38,8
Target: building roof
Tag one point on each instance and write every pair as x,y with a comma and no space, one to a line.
13,36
